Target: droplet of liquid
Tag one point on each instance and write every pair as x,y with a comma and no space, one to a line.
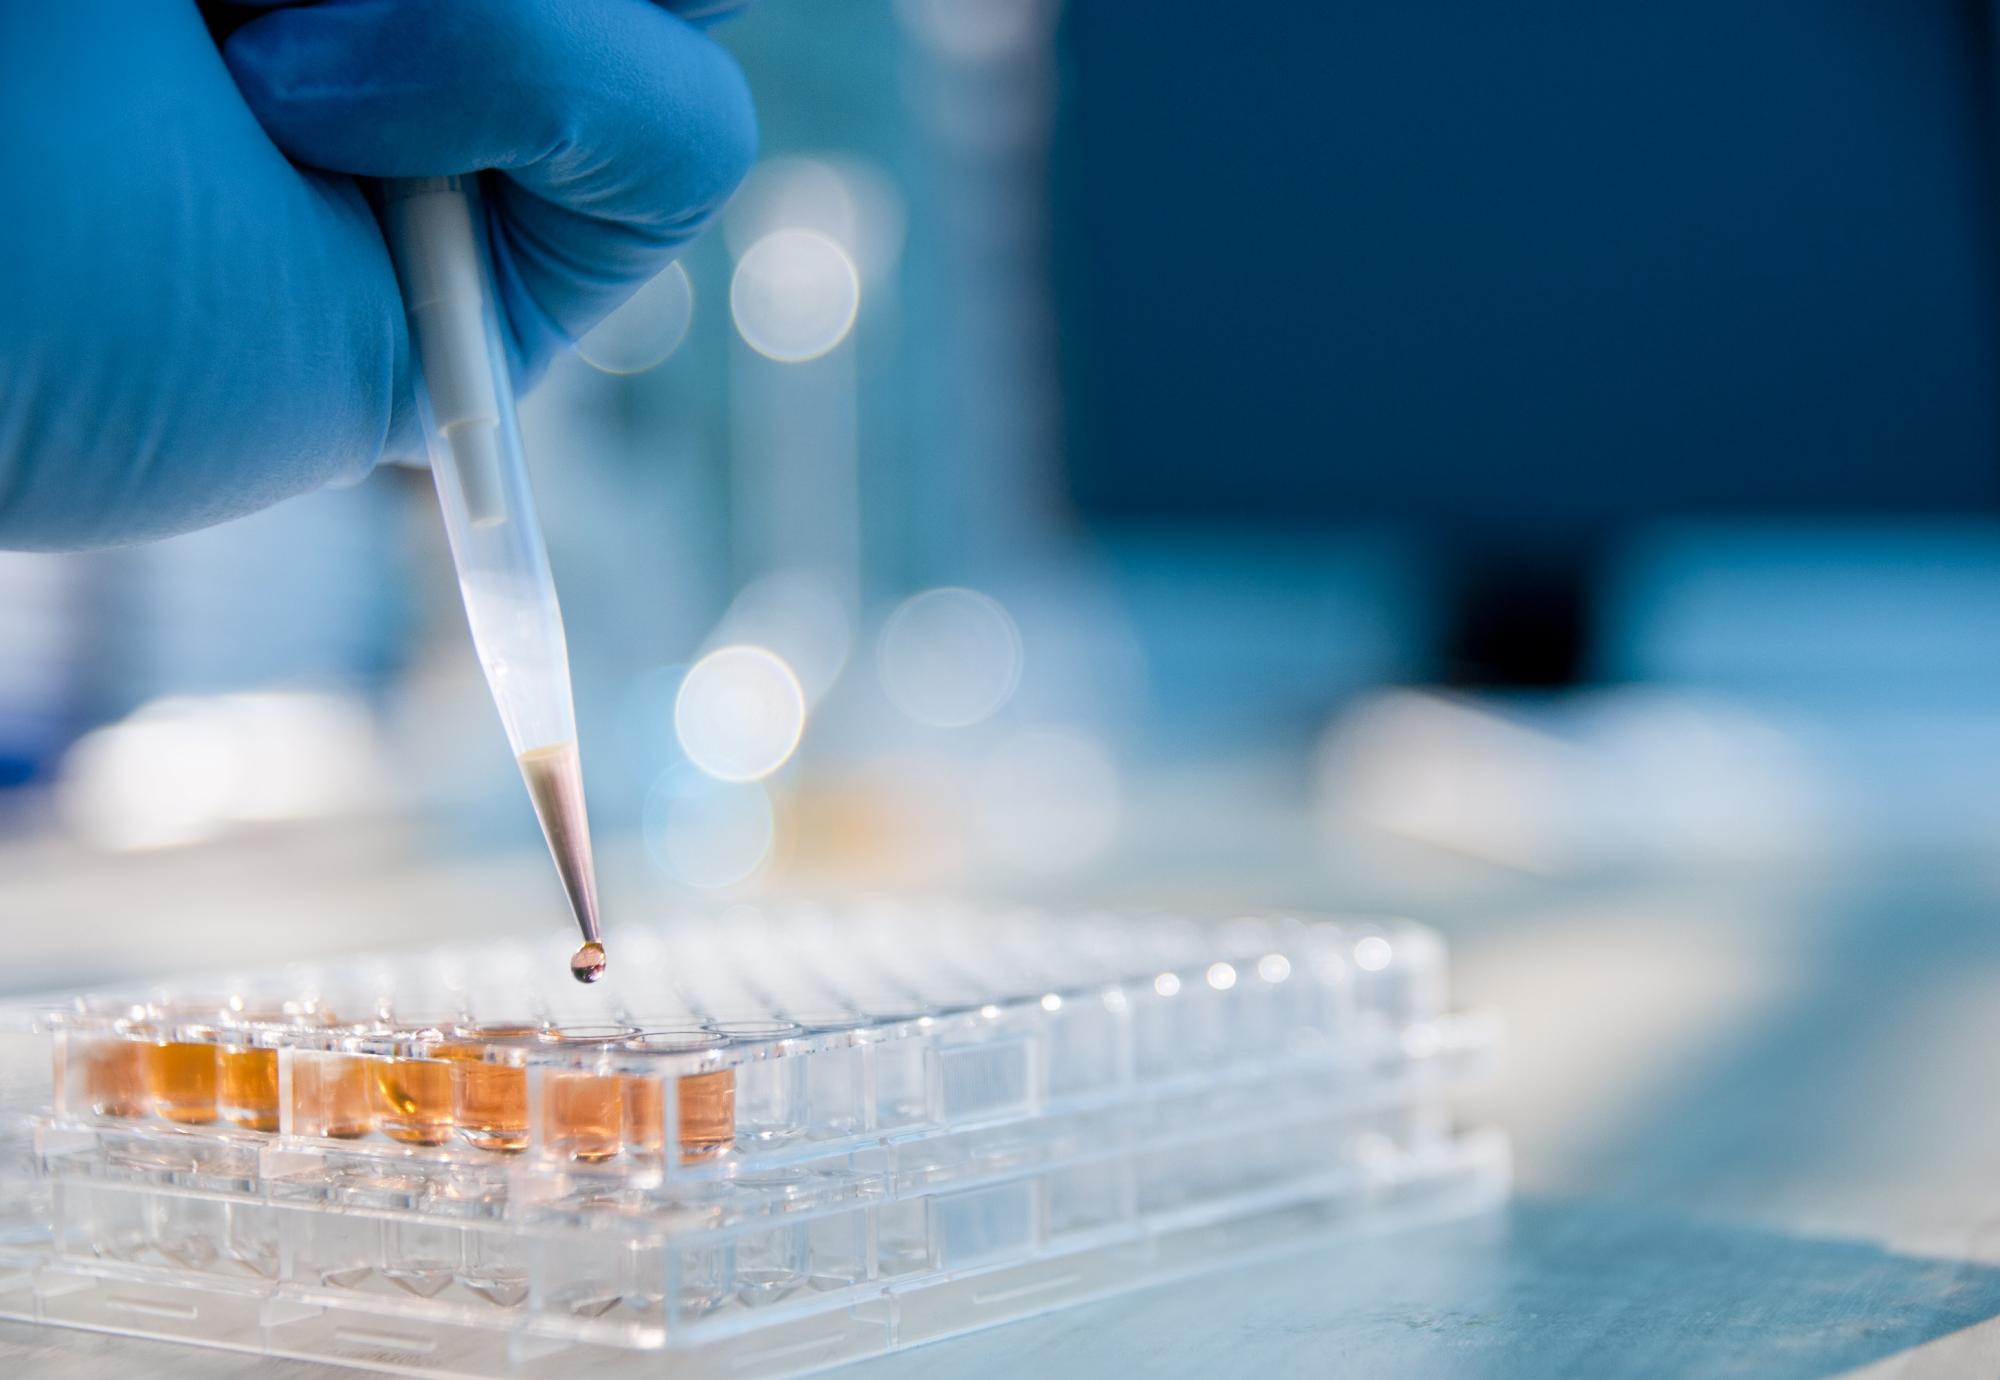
587,963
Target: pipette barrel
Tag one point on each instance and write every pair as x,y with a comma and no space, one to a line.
438,238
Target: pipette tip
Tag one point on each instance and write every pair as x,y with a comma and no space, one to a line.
555,782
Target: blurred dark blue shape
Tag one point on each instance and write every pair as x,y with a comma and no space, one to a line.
1523,271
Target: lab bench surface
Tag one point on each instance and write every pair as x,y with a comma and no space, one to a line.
1754,1132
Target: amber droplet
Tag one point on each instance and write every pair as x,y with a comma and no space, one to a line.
587,963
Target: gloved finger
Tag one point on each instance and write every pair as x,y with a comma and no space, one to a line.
706,12
703,12
192,328
620,129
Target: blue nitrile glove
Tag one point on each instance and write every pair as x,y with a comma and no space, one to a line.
198,316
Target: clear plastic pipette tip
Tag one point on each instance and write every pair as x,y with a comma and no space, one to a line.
554,776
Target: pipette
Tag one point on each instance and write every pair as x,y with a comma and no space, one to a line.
438,237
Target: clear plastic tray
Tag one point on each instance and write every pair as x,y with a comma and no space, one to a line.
778,1142
718,1049
373,1332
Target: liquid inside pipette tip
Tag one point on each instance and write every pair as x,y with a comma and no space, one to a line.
587,964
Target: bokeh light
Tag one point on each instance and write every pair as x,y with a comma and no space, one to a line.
646,330
800,617
949,657
707,834
795,295
740,713
852,203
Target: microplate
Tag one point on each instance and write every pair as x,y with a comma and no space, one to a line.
767,1143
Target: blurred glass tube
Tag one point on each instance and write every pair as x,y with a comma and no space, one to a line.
981,82
795,485
980,31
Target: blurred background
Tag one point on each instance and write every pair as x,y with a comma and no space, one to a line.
1416,456
1529,465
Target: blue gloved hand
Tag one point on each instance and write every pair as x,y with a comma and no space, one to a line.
198,316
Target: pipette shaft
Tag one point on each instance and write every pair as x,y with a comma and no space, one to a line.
438,238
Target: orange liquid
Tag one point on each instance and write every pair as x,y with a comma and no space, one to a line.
707,1114
114,1076
250,1088
490,1099
645,1116
708,1110
330,1095
412,1099
181,1078
585,1113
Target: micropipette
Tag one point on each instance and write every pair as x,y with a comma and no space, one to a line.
438,237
